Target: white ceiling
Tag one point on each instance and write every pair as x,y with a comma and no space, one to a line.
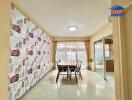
56,15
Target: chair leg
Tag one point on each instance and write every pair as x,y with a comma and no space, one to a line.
70,74
67,75
76,76
58,74
70,77
80,75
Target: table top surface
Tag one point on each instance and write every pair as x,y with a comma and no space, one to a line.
67,63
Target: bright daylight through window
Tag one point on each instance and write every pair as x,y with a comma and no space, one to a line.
71,52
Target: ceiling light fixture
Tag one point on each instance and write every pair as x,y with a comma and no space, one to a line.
72,28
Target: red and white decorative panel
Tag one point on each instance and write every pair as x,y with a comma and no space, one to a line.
29,54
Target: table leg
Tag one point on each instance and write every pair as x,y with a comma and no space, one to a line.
76,76
58,74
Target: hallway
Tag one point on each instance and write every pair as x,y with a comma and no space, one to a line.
92,87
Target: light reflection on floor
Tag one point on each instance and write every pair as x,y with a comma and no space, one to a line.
92,87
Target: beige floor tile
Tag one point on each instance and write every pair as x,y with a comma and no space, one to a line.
92,87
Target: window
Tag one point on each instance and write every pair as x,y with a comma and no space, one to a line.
71,52
98,53
107,50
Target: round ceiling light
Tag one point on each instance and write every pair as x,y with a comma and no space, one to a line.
72,28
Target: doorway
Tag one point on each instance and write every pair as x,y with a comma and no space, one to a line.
109,59
104,58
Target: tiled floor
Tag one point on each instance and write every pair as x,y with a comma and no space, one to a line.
110,76
92,87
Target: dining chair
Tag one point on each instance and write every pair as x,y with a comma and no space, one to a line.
61,70
78,69
72,69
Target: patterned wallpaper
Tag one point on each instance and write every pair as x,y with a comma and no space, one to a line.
30,55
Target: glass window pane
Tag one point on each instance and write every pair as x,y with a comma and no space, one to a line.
99,53
71,52
71,56
61,45
107,50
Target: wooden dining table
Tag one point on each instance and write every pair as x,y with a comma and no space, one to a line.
69,67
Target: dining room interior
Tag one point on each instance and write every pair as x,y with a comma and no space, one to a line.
65,50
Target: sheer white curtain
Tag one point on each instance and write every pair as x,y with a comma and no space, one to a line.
71,52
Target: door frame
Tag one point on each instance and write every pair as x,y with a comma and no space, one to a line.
120,58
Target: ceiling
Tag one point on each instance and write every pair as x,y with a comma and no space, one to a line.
56,15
